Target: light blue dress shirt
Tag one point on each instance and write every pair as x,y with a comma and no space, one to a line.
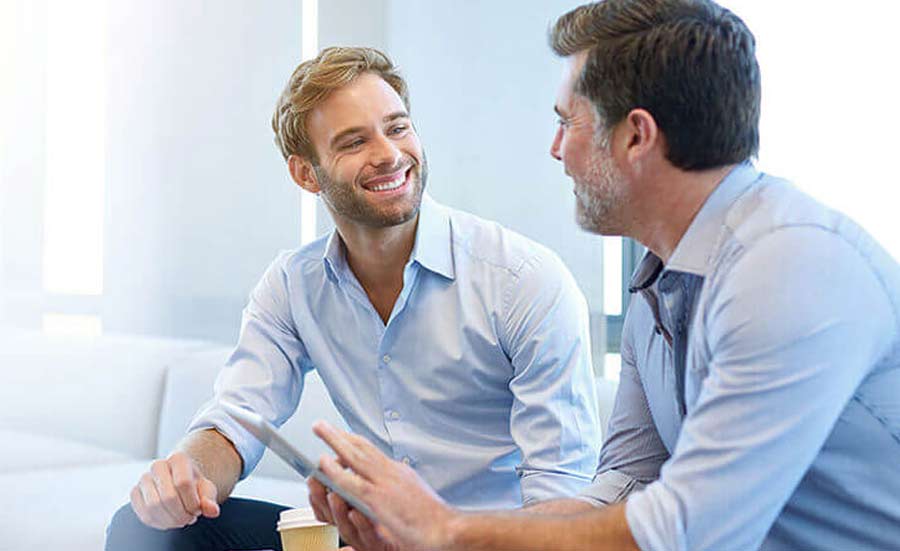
759,401
481,379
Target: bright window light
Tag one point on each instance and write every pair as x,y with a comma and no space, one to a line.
309,50
76,130
612,276
65,324
829,103
612,365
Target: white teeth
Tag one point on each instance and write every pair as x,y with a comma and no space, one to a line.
393,184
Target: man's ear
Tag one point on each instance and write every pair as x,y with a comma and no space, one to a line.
302,173
643,135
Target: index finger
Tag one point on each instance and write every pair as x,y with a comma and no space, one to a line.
353,454
185,485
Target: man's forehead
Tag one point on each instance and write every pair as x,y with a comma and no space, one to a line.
368,98
572,67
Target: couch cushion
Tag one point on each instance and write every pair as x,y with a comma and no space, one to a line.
103,391
189,384
32,451
66,508
69,508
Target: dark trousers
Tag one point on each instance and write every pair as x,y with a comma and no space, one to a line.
242,524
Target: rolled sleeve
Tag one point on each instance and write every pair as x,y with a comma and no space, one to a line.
784,361
610,487
264,373
633,451
554,419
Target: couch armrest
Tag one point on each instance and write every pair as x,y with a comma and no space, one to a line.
102,391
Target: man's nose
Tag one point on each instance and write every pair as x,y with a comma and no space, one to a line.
385,152
554,147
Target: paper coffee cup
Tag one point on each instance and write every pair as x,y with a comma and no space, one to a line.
300,531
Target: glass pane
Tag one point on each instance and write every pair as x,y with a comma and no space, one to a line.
76,115
612,276
612,365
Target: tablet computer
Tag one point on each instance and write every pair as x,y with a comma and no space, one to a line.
266,433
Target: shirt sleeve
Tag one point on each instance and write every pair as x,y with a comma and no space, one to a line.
632,452
554,419
264,373
792,329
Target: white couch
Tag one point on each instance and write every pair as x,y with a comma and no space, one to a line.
81,419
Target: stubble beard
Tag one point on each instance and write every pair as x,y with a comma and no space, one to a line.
349,201
600,197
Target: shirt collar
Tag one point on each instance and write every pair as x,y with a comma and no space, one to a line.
692,253
434,239
334,258
433,248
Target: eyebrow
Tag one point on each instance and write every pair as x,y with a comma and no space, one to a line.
559,112
356,129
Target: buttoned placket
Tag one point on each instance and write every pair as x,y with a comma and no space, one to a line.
679,293
391,401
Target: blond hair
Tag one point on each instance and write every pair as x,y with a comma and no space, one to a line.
314,80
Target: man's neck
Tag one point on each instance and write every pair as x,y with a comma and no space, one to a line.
677,197
377,256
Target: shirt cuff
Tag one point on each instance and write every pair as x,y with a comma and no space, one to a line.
653,519
248,447
610,487
543,486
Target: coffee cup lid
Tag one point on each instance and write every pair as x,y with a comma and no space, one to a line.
298,518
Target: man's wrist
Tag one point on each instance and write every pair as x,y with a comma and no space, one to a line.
452,529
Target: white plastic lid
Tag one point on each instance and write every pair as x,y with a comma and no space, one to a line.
298,518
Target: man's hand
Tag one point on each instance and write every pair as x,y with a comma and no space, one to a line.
355,529
409,514
173,494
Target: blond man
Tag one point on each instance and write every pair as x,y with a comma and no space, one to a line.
456,346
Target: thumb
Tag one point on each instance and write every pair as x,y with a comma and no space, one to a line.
208,505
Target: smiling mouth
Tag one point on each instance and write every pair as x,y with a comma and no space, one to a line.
397,181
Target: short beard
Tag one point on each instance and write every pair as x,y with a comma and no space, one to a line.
600,198
344,199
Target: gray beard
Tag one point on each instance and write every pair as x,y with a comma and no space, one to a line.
600,198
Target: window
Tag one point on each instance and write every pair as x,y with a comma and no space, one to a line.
308,50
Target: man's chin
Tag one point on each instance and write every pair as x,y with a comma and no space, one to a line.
592,223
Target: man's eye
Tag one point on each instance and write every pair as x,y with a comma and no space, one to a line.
562,122
398,129
354,144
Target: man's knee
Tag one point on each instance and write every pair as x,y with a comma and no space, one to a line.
126,531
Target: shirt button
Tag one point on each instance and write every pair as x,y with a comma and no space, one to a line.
406,460
393,415
386,358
